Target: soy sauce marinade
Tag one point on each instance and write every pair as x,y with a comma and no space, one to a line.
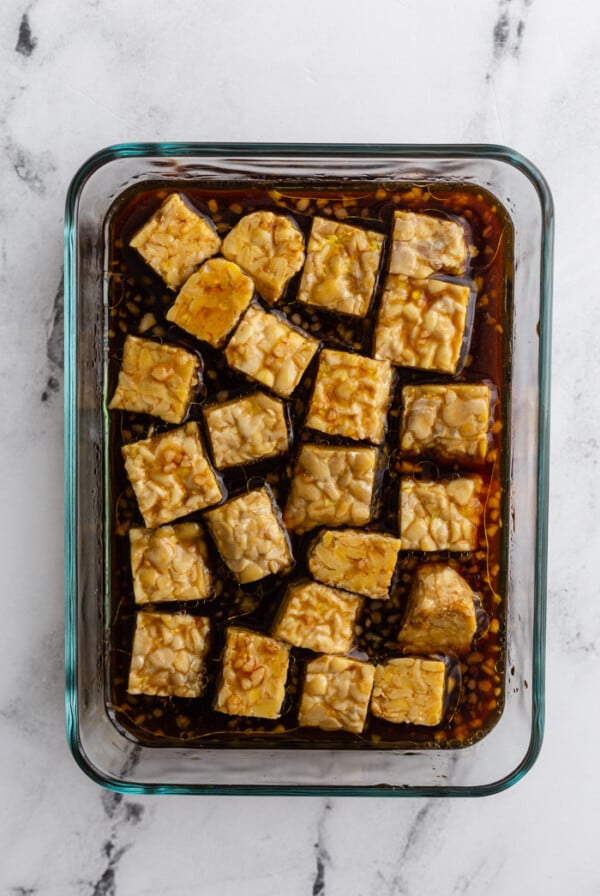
137,303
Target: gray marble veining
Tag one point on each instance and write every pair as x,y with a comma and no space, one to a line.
76,76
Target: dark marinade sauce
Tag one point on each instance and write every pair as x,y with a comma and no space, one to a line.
137,301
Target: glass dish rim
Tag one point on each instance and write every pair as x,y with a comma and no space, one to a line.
376,151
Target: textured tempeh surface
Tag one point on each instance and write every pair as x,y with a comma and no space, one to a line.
331,486
452,420
212,300
247,429
422,323
317,618
171,475
156,379
341,267
359,561
423,244
269,350
253,675
440,613
440,516
170,563
169,650
351,396
336,693
250,537
175,240
410,689
270,248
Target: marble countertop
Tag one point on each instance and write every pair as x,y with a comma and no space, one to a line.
76,76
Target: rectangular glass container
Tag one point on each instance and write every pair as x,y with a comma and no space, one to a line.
504,754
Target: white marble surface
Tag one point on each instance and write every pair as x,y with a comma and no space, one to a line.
76,75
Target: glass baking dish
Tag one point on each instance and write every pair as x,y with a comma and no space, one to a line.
102,749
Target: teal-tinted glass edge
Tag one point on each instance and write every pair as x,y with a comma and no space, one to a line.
70,448
492,151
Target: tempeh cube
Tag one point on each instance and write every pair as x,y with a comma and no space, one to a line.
168,655
169,564
175,240
336,693
156,379
250,537
269,350
441,615
253,676
362,562
451,421
423,244
270,248
341,267
351,396
440,516
171,475
410,690
317,618
247,429
211,301
331,486
423,323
